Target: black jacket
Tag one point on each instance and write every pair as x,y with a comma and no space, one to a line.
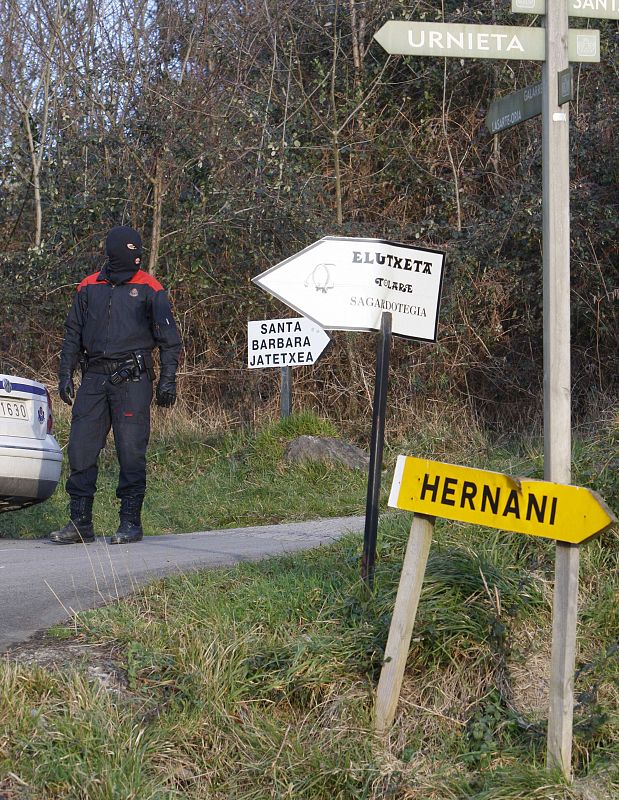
110,320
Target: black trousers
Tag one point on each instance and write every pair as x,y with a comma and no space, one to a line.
98,406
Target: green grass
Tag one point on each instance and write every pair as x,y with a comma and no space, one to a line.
198,481
258,681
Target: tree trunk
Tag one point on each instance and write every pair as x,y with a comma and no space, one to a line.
36,182
357,26
335,134
339,216
158,195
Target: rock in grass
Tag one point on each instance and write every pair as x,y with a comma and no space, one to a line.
326,450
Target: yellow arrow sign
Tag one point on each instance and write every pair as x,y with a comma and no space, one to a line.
537,508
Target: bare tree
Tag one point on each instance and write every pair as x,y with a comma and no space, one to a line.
29,81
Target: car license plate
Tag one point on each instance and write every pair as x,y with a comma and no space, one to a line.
13,409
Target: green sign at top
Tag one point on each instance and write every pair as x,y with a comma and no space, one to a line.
514,108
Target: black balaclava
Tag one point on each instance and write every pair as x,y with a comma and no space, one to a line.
123,247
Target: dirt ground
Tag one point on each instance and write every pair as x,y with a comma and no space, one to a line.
98,661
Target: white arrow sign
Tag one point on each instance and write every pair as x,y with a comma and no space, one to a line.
346,284
284,342
458,40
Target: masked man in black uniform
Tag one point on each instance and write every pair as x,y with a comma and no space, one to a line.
119,315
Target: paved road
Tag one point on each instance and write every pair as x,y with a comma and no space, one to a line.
42,584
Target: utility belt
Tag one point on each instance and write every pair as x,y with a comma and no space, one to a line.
129,368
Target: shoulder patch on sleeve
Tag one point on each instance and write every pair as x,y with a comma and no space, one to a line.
143,277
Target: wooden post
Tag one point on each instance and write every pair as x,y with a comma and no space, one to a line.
563,657
402,622
557,390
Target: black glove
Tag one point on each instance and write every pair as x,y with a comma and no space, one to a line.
166,391
66,388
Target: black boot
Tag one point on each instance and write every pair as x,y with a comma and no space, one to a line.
79,528
130,528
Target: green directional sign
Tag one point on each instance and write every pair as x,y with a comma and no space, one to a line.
456,40
598,9
514,108
564,86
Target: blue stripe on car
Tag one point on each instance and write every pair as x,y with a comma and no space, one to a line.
22,387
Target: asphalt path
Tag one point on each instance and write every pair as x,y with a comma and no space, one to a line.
42,584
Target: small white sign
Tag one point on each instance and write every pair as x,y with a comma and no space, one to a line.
346,284
284,343
598,9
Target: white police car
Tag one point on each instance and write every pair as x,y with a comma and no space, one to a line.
30,457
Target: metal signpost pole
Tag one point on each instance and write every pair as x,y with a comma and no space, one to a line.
286,395
557,423
376,450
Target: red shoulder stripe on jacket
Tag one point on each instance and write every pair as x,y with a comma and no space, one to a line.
88,280
144,277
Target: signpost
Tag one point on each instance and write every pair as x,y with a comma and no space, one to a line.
522,505
285,396
456,40
556,92
556,46
284,343
430,488
347,284
557,378
599,9
515,108
525,104
344,283
377,440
